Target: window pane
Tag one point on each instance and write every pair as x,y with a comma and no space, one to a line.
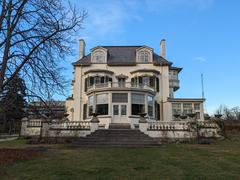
150,111
90,110
119,97
115,109
90,100
150,105
98,57
150,100
102,99
84,111
102,109
123,110
137,109
176,108
143,56
196,106
198,115
138,98
187,108
145,80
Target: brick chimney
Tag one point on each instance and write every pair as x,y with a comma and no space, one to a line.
163,48
81,48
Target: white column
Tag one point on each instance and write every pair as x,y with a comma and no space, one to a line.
110,104
129,106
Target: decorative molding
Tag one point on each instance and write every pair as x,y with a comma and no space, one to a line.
146,70
99,71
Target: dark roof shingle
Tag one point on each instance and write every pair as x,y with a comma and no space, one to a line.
123,56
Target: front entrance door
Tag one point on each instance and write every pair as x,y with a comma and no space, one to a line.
119,113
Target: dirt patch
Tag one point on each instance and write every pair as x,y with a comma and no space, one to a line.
10,156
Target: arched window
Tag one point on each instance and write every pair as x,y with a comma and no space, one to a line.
98,57
143,56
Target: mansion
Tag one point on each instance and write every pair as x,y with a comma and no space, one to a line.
121,82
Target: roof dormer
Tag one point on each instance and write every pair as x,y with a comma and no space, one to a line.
99,55
144,54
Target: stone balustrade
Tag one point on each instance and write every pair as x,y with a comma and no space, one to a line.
170,125
71,125
34,123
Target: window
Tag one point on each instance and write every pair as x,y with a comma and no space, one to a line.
196,106
138,101
121,82
123,110
176,108
198,115
187,108
99,57
150,105
157,110
145,80
102,104
143,56
90,105
115,110
85,111
119,97
98,80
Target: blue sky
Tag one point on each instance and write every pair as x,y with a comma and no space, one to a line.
203,36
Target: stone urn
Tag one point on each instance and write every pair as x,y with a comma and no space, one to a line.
142,118
191,115
183,117
176,116
207,117
94,118
218,116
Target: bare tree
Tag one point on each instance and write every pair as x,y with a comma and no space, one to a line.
35,35
229,113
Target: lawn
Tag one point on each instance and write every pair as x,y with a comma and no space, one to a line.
174,161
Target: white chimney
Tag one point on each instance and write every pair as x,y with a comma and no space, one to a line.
81,48
163,48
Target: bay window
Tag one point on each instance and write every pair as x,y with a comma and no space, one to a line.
138,103
102,104
90,105
150,105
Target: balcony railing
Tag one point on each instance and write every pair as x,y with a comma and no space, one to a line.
120,85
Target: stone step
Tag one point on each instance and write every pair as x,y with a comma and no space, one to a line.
117,143
119,126
116,137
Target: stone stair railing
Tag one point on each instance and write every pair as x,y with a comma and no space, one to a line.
71,125
167,125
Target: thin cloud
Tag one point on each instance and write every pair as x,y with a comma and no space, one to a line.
157,5
200,58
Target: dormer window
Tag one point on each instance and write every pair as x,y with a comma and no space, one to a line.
98,57
143,56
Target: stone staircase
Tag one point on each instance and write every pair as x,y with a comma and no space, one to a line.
117,137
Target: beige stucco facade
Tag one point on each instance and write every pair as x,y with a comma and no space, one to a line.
156,84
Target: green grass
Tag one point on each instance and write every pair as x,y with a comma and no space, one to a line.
174,161
18,143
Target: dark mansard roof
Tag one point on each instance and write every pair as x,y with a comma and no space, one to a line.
122,56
